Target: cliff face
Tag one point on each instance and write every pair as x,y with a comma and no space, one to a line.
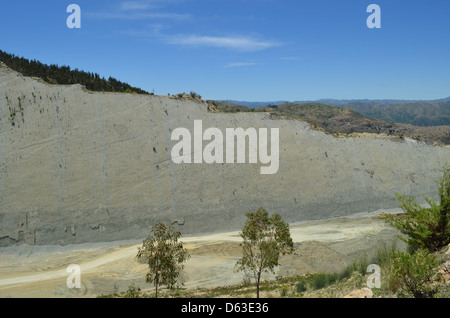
87,167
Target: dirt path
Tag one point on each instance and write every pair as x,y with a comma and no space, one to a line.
320,246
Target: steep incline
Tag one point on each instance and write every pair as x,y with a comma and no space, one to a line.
81,167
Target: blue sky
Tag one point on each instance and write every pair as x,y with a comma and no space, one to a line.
253,50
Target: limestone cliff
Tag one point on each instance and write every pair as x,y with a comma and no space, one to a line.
77,166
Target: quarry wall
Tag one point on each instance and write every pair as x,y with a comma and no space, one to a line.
77,166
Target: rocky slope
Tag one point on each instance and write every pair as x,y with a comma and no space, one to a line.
343,120
77,167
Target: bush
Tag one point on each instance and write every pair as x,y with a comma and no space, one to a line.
323,280
133,292
385,258
300,287
360,266
347,273
415,272
194,95
283,292
425,227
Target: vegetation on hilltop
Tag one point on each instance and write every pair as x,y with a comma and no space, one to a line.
228,107
414,113
342,120
54,74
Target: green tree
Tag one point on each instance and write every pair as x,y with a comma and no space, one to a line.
425,227
165,255
265,238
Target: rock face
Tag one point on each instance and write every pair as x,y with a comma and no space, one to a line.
82,167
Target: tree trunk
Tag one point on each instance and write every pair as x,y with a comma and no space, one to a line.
257,285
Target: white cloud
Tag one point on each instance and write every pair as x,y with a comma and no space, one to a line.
138,15
139,10
239,64
145,4
144,10
238,43
134,5
290,58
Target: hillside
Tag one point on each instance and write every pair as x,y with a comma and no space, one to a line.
414,113
64,75
417,113
343,120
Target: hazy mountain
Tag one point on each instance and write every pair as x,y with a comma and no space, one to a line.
334,119
341,102
253,104
344,120
332,101
414,113
417,113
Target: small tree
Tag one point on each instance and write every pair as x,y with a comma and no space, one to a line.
164,255
425,227
265,238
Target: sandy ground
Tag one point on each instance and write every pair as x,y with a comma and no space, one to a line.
322,246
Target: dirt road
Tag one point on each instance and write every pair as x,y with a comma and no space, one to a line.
40,271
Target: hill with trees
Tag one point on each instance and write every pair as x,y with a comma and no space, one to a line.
64,75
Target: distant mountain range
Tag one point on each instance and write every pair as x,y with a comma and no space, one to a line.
341,102
414,113
344,120
253,104
417,113
333,101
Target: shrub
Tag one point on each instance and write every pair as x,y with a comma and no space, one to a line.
347,273
300,287
360,266
323,280
425,227
385,258
194,95
283,292
133,292
415,272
